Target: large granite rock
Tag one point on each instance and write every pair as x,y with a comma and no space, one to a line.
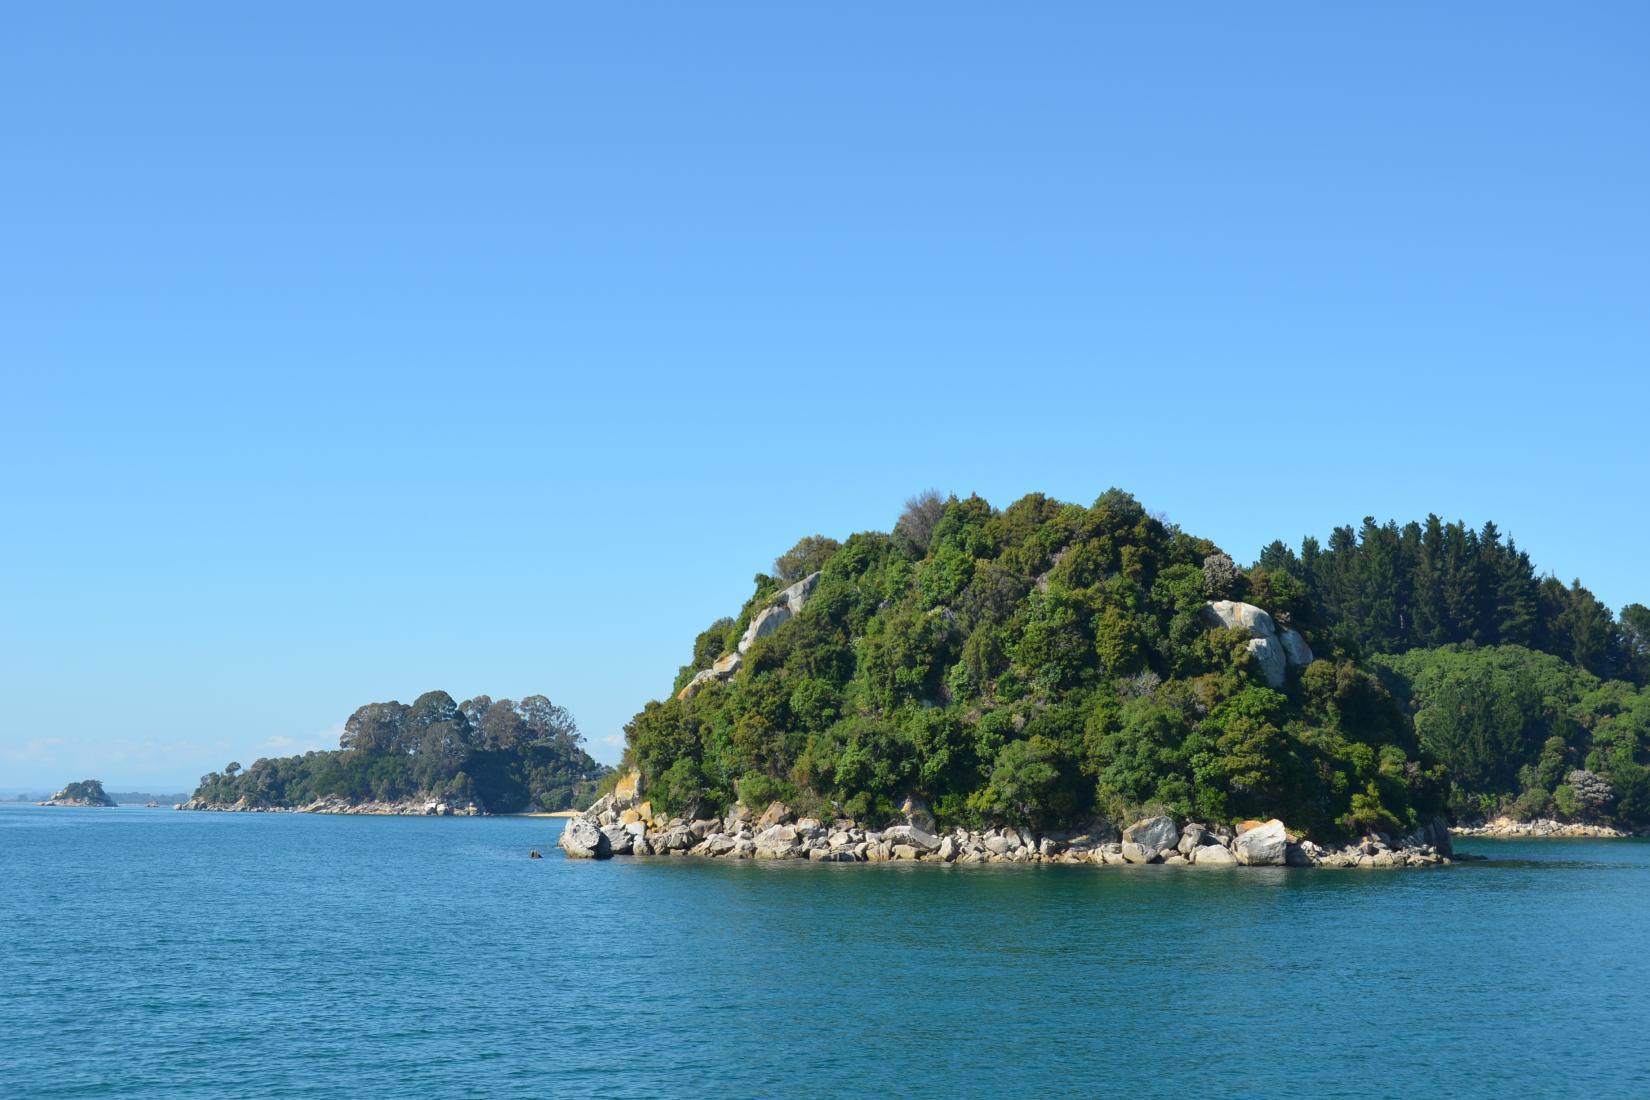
777,813
920,839
1153,833
1269,655
583,840
778,842
1295,648
768,620
1273,651
1262,846
1233,615
1212,855
785,605
1191,837
620,840
1138,853
700,679
677,838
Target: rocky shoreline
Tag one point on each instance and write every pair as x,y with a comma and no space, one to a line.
409,808
1543,828
623,824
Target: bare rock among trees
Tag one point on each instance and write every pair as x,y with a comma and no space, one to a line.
1275,652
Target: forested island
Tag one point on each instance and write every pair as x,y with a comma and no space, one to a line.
1050,668
433,756
87,792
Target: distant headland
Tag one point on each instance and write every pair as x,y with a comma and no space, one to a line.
435,757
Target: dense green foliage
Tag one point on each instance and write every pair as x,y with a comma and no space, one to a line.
504,756
1047,663
1040,664
1387,589
1527,733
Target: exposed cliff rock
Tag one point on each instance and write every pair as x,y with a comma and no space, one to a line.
780,610
1275,651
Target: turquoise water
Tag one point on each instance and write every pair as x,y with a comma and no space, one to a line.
147,952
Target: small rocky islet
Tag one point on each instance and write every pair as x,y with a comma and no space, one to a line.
624,824
86,793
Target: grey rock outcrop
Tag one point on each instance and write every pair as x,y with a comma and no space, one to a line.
1153,833
1295,648
1234,615
1138,853
1268,654
920,839
1192,836
785,606
1274,651
620,840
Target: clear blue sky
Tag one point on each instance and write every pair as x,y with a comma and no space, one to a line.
356,350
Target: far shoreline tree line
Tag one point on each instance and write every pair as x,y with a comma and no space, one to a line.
502,755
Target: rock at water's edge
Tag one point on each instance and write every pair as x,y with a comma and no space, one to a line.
1263,846
583,840
1153,833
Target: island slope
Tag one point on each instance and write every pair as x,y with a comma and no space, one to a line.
1052,667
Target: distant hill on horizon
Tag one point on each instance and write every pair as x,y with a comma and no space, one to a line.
38,794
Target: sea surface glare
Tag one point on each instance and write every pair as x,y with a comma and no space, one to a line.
150,953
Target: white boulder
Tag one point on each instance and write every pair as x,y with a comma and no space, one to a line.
1243,616
1268,654
581,839
1212,855
1262,846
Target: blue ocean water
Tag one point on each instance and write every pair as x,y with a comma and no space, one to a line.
148,952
